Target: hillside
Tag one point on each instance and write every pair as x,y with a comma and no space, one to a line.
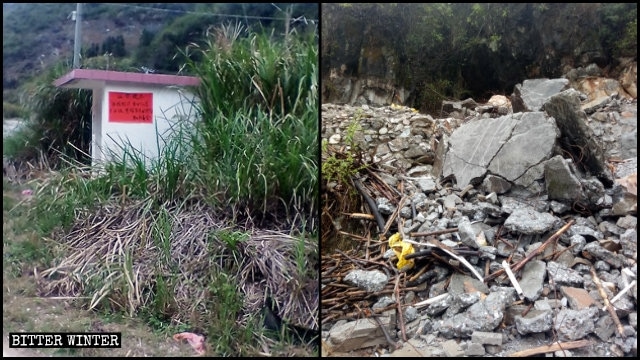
36,36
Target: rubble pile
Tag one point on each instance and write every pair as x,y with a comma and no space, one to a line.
517,220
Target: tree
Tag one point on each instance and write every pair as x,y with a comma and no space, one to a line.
93,51
115,46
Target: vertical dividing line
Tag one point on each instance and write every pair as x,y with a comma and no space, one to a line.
77,44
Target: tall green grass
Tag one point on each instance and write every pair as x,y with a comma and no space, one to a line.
257,139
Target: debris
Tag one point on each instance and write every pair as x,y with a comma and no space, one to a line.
196,341
512,278
567,345
401,249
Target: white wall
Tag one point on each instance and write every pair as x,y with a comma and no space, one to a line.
170,105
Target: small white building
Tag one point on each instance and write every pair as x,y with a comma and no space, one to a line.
132,109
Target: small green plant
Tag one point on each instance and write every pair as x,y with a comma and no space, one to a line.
342,166
231,238
224,305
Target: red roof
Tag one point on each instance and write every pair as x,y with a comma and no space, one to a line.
90,79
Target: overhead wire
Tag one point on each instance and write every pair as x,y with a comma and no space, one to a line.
301,18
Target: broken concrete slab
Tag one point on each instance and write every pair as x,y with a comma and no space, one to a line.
576,138
533,93
532,279
531,142
358,334
510,146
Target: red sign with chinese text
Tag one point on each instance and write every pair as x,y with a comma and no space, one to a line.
131,107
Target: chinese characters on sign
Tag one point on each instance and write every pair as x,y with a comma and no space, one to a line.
131,107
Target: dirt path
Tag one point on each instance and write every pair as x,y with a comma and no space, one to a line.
10,352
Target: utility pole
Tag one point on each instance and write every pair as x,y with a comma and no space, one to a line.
77,45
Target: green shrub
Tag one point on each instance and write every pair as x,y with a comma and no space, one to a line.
10,110
59,123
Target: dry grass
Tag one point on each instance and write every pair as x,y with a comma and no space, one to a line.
117,255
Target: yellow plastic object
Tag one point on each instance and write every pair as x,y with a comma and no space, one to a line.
401,249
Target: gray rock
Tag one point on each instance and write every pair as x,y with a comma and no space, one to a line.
561,182
384,206
439,307
533,93
585,231
509,147
562,275
531,142
410,314
627,222
535,321
529,221
474,349
633,320
450,201
558,207
358,334
371,281
575,136
467,233
473,145
486,338
629,145
603,254
532,279
575,324
629,241
605,327
495,184
427,184
577,242
383,302
461,302
452,349
609,229
459,283
485,315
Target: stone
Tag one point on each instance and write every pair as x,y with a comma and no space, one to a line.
533,93
486,338
560,180
575,136
474,350
532,279
495,184
358,334
578,298
575,324
563,275
452,349
535,321
371,281
529,221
